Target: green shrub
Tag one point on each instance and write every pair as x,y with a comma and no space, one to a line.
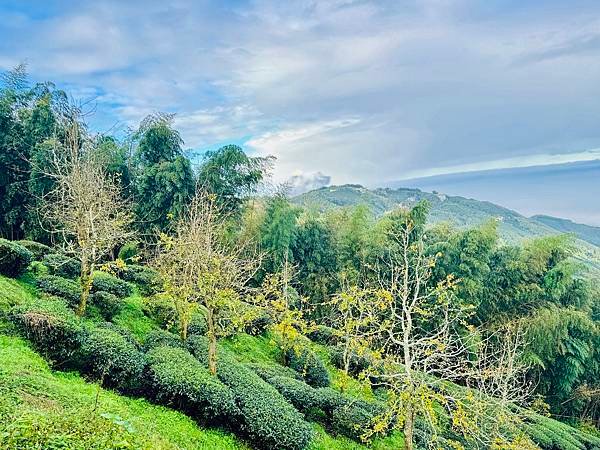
358,363
307,363
128,251
176,378
258,325
109,356
145,278
106,282
306,398
14,258
323,334
60,287
109,305
162,310
552,434
266,371
52,328
37,249
62,265
267,418
161,338
351,420
197,325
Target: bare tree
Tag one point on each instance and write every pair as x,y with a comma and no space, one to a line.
202,270
284,306
417,323
426,345
85,208
354,321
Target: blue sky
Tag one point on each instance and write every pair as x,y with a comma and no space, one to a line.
342,90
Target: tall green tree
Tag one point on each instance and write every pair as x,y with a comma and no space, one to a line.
164,179
231,175
315,255
278,233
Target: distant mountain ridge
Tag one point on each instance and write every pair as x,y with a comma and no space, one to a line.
460,211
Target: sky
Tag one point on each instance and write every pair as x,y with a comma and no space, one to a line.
340,91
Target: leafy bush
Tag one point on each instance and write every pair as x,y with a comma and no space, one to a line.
162,310
161,338
358,363
351,420
106,282
197,325
551,434
52,328
323,334
14,258
176,378
108,304
266,371
307,363
258,325
62,265
60,287
145,278
37,249
128,251
112,358
267,418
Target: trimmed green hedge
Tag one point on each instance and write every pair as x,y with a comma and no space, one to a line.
106,282
312,368
323,334
161,338
258,325
61,287
267,418
14,258
62,265
552,434
51,326
37,249
161,310
176,378
266,371
146,279
344,414
358,363
109,356
109,305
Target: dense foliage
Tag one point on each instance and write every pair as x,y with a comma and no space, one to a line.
299,261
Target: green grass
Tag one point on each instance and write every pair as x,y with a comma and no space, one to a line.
40,408
253,349
132,317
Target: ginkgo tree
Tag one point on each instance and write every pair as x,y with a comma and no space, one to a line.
85,209
205,272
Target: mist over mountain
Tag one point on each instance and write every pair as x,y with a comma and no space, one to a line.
563,190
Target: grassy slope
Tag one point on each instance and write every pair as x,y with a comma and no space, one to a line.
42,408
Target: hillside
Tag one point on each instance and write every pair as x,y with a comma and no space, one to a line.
587,233
460,211
44,407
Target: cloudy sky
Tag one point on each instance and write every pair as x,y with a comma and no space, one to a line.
343,91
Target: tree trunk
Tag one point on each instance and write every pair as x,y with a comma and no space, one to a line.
212,341
183,328
86,286
409,426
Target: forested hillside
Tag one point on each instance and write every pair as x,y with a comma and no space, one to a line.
460,211
150,302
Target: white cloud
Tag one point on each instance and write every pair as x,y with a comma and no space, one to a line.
507,163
